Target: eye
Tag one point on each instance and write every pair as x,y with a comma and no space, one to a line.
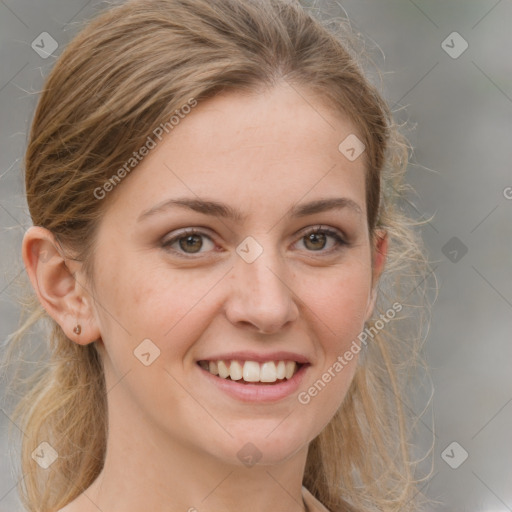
317,240
189,241
192,241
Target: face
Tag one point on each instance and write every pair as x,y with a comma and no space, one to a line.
238,246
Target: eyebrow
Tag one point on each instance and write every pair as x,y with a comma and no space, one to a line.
218,209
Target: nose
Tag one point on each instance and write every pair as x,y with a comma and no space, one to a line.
261,295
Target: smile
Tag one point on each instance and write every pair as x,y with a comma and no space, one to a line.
252,371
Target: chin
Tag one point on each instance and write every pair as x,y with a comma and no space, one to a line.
272,445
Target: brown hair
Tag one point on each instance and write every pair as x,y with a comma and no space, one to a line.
120,78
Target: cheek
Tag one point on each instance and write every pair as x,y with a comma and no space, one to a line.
340,301
337,310
168,306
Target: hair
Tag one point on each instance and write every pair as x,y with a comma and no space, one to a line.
124,75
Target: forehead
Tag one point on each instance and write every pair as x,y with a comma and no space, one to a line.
286,118
254,150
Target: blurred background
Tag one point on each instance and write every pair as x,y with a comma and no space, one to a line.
448,62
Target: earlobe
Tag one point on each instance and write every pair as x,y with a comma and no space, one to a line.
56,286
379,254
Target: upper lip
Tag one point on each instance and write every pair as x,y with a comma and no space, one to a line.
258,357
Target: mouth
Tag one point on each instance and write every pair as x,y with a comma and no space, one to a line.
252,372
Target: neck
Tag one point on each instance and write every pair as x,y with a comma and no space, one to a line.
154,472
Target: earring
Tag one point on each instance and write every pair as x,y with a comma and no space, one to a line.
77,329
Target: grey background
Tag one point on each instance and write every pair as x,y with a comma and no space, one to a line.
461,112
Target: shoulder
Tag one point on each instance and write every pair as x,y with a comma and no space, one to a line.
311,502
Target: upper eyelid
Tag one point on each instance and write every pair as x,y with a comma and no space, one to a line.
187,231
331,231
321,227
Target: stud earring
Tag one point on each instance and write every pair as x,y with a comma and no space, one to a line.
77,329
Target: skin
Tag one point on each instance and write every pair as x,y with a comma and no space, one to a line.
173,437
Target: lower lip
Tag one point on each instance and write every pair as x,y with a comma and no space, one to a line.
258,392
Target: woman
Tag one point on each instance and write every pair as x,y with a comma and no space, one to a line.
217,247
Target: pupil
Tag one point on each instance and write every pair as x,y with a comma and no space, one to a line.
315,238
191,242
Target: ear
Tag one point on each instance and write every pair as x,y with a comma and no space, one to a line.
379,254
59,285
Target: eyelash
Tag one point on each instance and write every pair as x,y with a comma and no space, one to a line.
339,241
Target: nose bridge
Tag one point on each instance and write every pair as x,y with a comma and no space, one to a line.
260,294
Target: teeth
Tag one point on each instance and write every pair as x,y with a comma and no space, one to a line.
213,368
281,370
268,372
235,370
251,371
290,369
223,369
